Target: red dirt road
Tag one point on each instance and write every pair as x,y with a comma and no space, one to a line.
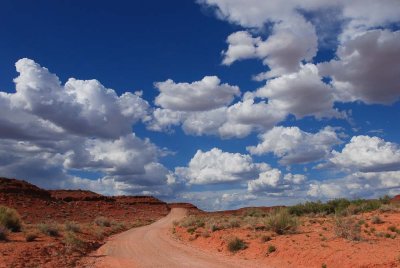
154,246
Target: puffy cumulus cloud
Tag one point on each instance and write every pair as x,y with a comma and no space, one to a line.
255,13
283,51
237,120
246,115
83,107
50,131
272,182
368,154
202,95
301,94
217,166
292,145
359,184
367,68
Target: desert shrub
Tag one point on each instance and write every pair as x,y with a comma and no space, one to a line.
30,237
102,221
254,212
205,234
193,221
50,229
281,221
271,248
191,230
347,228
236,244
265,238
389,208
340,206
118,227
376,220
71,226
392,228
385,200
73,243
233,223
10,219
3,233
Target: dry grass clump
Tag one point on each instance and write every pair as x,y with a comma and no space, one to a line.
71,226
281,222
347,228
102,221
50,229
31,236
193,221
376,220
73,243
10,219
235,244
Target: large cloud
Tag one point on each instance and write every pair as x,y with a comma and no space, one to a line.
217,166
83,107
202,95
367,68
255,13
50,132
292,145
368,154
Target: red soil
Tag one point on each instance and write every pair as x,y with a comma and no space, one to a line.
36,205
313,245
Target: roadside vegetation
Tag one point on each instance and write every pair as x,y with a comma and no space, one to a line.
340,218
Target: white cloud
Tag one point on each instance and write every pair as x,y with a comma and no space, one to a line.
367,68
358,184
272,182
255,13
301,94
217,166
292,145
245,116
202,95
50,131
368,154
283,51
83,107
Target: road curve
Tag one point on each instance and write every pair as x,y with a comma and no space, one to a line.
154,246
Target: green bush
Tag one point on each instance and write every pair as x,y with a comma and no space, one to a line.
236,244
50,229
281,221
271,248
10,219
340,206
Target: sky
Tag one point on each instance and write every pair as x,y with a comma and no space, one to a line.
221,103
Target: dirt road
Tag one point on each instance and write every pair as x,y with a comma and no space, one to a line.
154,246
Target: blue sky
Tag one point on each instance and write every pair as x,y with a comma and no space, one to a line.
216,102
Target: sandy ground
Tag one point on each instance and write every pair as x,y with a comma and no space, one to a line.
154,246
